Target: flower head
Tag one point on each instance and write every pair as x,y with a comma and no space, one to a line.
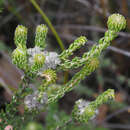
116,22
32,103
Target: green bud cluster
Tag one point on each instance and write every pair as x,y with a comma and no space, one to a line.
84,111
19,57
105,97
38,62
116,22
20,36
49,75
41,32
73,47
29,60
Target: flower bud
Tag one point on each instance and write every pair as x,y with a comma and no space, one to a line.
19,57
105,97
79,42
50,76
116,22
41,32
38,61
20,37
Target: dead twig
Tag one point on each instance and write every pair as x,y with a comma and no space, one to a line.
91,28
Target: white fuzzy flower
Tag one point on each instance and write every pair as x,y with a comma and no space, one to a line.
51,58
31,101
33,51
82,105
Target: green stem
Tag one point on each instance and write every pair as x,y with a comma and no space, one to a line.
49,23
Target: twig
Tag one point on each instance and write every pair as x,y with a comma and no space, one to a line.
95,7
91,28
7,18
116,113
119,126
37,7
121,51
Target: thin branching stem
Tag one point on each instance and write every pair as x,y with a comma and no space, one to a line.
37,7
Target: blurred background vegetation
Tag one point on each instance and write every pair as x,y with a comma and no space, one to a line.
72,18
